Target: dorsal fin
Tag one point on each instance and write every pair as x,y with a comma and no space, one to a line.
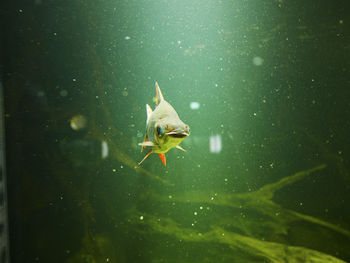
149,112
159,95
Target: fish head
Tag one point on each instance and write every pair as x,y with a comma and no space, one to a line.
169,133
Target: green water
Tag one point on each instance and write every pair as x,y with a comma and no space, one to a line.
266,174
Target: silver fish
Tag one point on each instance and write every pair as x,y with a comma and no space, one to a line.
164,129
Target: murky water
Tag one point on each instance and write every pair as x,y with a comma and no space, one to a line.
264,87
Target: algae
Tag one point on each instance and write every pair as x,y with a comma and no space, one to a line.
264,240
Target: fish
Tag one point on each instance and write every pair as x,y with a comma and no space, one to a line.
164,129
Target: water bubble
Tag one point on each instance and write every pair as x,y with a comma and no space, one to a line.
78,122
194,105
40,94
258,61
105,150
63,93
139,134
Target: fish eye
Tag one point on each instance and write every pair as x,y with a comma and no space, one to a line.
160,131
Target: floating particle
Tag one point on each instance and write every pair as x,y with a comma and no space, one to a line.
215,145
194,105
63,93
40,94
105,150
78,122
258,61
139,134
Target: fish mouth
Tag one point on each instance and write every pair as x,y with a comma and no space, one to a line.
175,134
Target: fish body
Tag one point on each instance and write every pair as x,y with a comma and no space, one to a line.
164,129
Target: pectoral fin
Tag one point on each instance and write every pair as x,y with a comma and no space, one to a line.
163,158
145,140
145,157
147,143
180,148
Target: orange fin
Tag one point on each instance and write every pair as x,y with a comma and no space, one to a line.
163,158
145,157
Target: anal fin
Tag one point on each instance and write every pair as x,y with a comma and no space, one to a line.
163,158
